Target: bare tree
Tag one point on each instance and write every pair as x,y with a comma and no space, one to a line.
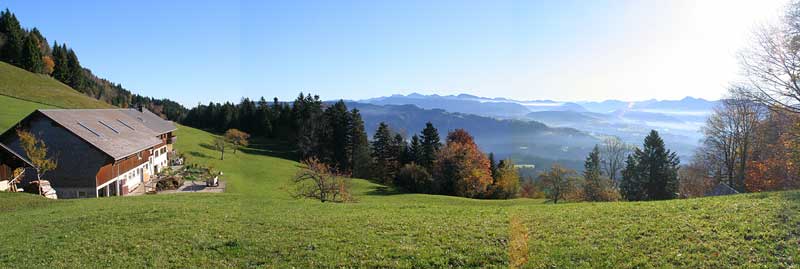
318,181
613,156
729,135
694,180
772,64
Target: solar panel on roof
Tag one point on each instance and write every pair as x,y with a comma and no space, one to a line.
109,127
126,125
89,129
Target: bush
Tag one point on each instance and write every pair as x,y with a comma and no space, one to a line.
414,178
529,189
318,181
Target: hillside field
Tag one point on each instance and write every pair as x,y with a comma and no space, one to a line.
258,224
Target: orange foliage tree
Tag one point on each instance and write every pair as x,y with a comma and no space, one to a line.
461,168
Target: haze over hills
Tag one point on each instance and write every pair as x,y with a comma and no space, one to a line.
524,139
678,121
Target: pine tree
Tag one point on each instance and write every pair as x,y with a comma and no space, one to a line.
492,165
61,67
400,149
359,146
631,185
593,185
415,149
652,172
13,35
335,144
31,56
75,71
384,155
430,145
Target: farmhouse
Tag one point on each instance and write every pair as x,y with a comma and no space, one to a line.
99,152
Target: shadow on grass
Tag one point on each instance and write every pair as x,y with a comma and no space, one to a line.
199,154
384,191
272,148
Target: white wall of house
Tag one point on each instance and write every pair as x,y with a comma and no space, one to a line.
159,159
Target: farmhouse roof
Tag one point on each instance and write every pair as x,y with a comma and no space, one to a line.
151,120
5,148
721,189
116,132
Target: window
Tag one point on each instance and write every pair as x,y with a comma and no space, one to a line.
81,194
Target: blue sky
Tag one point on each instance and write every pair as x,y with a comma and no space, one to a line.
199,51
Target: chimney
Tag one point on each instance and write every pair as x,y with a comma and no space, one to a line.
140,107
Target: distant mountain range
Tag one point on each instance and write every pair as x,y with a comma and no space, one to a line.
678,121
504,107
504,137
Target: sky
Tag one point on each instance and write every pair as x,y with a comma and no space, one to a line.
200,51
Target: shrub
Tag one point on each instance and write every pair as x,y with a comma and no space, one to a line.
530,189
318,181
414,178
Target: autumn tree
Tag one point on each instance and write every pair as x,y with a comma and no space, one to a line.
506,183
558,182
729,137
461,169
36,151
236,138
693,180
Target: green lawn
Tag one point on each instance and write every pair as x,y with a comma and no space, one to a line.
258,224
14,109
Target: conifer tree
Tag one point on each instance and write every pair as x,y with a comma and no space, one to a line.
415,149
652,172
31,56
13,36
492,166
359,146
430,145
384,155
594,186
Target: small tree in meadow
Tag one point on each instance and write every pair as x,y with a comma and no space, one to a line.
558,182
237,138
36,151
318,181
220,143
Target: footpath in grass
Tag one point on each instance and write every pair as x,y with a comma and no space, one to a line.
257,224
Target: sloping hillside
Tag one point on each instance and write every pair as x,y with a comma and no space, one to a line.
258,224
21,84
